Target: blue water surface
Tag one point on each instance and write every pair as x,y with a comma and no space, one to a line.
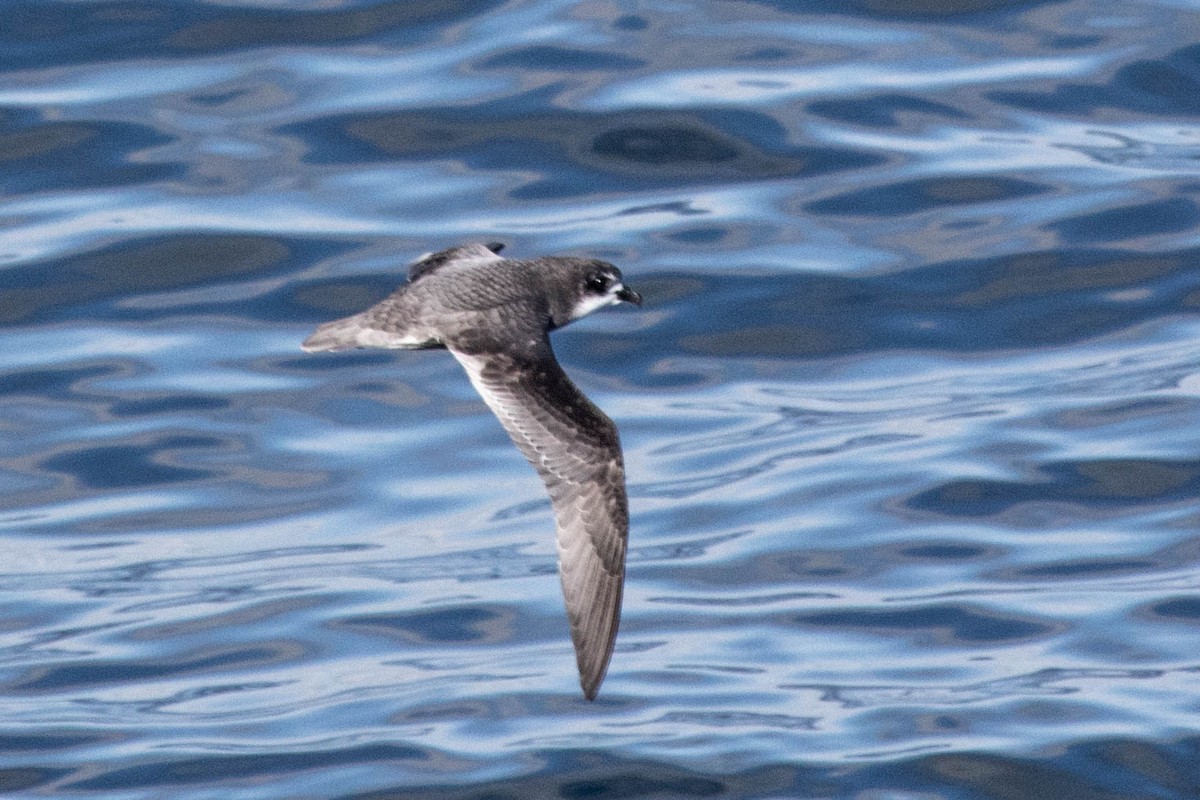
911,412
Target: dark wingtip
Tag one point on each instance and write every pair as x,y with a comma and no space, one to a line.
591,679
495,247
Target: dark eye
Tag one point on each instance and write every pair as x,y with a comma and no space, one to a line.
598,283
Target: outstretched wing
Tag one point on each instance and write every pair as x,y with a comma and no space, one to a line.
576,450
481,253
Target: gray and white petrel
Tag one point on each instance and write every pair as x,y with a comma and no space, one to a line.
494,315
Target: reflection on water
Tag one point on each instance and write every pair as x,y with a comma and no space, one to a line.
910,412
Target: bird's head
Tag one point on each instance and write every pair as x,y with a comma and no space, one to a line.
594,285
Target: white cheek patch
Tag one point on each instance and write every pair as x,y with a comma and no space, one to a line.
592,302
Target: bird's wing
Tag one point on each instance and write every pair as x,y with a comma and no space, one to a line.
576,450
481,253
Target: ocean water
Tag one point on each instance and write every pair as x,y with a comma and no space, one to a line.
911,412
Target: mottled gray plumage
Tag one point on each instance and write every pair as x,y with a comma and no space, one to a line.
494,315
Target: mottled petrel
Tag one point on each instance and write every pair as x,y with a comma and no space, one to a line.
494,315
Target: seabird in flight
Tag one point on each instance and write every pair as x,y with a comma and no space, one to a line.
494,315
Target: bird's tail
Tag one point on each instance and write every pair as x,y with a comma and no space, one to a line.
360,331
340,334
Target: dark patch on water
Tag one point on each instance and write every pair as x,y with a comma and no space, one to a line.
48,740
19,779
108,279
70,33
329,298
582,153
936,552
559,59
226,769
1177,609
461,624
1174,215
1127,412
128,465
1169,87
1111,484
1085,569
36,153
940,625
913,10
883,110
215,660
927,194
964,305
56,382
1104,769
631,22
168,404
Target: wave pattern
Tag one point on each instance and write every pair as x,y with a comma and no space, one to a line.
911,411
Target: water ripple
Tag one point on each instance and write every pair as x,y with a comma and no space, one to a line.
910,413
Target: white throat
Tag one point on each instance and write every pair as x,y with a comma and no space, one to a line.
592,302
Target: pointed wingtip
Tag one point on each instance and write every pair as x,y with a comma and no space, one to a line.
591,678
590,689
